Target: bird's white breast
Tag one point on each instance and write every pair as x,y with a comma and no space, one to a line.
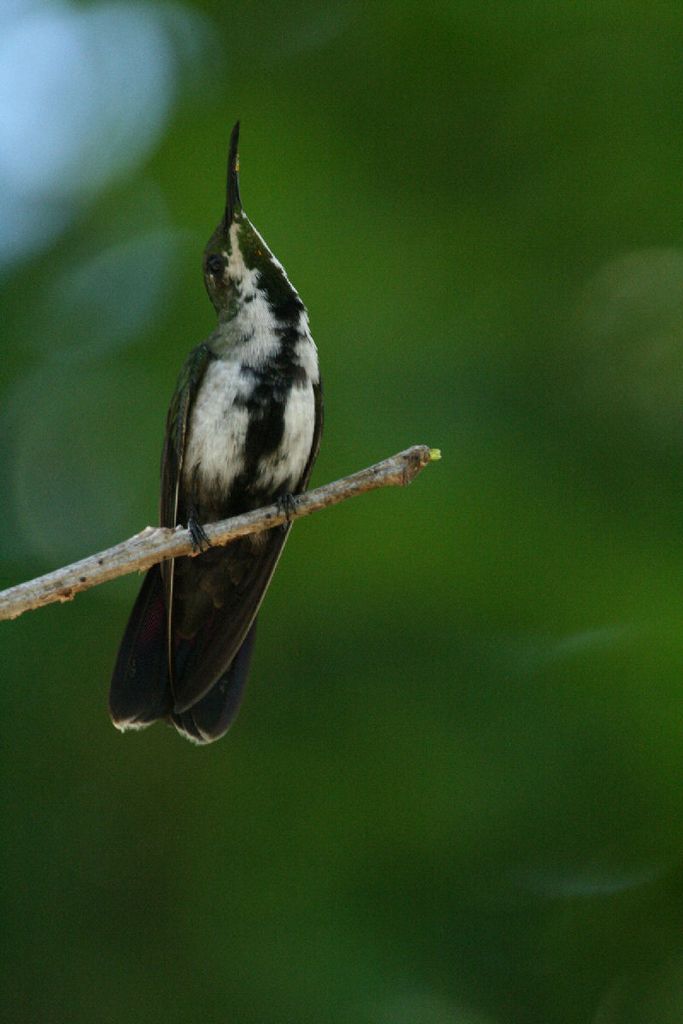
219,421
218,428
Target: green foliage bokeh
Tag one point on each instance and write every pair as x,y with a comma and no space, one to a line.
453,793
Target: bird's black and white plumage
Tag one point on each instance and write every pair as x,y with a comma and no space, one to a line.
243,430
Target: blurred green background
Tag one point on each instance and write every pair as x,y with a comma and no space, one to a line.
454,791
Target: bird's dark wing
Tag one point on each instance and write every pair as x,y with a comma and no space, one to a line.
176,433
317,434
172,458
140,690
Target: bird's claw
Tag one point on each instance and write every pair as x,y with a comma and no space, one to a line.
286,503
200,542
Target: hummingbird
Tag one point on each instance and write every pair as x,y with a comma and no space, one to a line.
243,430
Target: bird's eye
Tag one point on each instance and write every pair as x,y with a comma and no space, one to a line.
214,265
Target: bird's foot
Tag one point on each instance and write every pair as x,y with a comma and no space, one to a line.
286,504
200,542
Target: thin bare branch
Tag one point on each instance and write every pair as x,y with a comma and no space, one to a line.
154,544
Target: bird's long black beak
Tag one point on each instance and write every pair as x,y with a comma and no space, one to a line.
233,201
